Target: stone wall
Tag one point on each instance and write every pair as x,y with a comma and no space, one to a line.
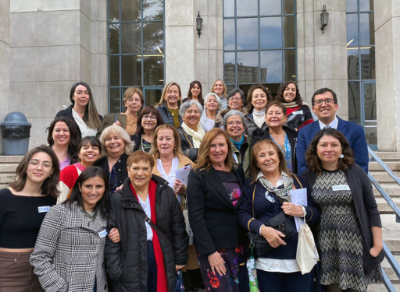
53,45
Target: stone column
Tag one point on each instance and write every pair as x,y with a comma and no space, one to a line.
51,48
180,26
4,60
322,57
387,56
209,47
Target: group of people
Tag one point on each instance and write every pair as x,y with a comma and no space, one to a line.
106,207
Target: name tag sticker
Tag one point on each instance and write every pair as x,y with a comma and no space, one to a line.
340,188
103,233
44,209
297,113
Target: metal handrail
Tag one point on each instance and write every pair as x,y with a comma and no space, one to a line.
388,254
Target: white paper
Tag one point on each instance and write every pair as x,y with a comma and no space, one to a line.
182,174
299,197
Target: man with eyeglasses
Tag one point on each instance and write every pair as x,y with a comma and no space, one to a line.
325,105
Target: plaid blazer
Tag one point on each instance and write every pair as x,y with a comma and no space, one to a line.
69,251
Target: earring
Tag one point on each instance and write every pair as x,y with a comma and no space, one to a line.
341,155
50,174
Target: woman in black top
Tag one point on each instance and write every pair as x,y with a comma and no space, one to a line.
22,209
214,197
148,120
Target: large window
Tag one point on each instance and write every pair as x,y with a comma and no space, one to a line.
136,48
361,66
259,42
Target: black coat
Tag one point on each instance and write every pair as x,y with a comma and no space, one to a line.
126,261
366,208
167,116
259,135
120,167
187,145
68,113
212,216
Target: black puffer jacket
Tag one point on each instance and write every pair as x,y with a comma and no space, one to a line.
126,262
167,116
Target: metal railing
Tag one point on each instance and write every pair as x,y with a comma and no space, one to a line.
388,254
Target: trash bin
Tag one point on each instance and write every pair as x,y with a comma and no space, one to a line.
15,130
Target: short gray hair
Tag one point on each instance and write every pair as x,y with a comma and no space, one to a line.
119,131
232,113
187,104
218,100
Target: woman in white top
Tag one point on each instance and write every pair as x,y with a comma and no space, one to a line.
212,106
83,110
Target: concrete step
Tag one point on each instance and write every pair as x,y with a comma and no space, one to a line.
388,156
375,166
384,207
380,176
7,178
10,159
389,271
381,288
8,167
392,189
4,186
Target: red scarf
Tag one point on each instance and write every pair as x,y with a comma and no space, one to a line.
162,285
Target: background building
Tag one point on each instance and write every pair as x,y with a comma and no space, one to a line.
46,46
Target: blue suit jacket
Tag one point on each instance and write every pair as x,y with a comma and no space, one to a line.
354,134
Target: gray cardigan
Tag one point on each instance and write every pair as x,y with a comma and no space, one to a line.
366,208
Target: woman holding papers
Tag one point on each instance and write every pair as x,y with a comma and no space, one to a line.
169,164
272,189
349,236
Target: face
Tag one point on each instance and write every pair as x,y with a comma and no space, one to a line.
289,94
139,173
259,99
234,126
218,88
268,160
114,144
211,103
329,149
81,96
149,122
192,116
218,150
325,110
165,141
89,154
274,117
61,134
173,95
195,90
39,168
134,103
92,191
235,102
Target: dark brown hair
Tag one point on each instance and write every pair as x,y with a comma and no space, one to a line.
50,184
259,146
146,111
250,107
203,160
74,137
279,96
314,162
190,96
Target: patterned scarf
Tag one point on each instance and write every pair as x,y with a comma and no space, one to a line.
284,193
197,136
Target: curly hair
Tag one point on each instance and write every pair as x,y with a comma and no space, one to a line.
314,162
203,160
279,96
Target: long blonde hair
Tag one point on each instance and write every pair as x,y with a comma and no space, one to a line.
163,100
203,160
225,88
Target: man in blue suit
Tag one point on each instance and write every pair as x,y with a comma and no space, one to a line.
325,105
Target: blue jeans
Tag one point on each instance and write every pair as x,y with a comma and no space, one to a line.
151,268
281,282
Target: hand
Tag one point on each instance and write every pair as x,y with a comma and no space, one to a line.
272,236
375,250
179,267
179,188
292,210
119,188
114,235
217,263
117,123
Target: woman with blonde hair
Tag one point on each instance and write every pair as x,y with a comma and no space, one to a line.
133,102
170,102
214,198
219,88
116,147
83,110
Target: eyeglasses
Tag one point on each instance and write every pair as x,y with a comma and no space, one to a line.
36,163
326,100
146,117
